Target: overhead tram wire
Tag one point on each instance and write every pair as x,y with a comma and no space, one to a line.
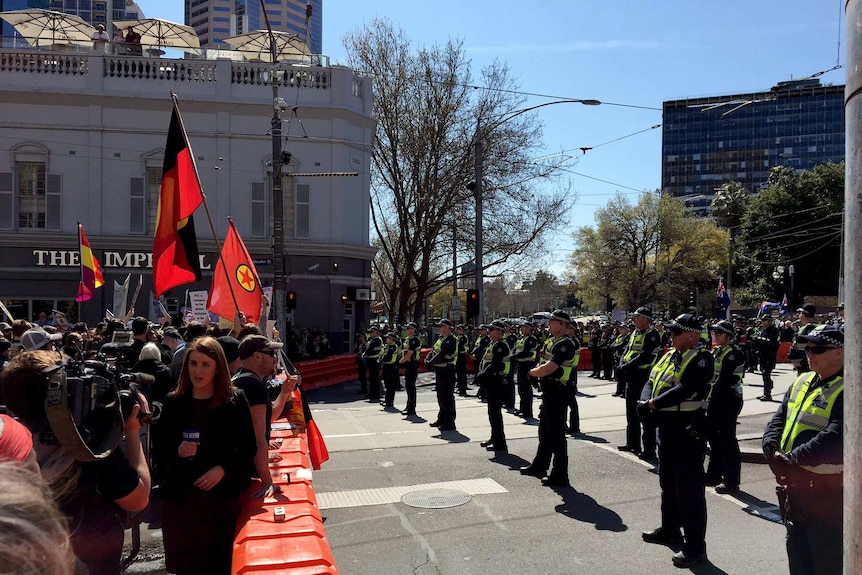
833,237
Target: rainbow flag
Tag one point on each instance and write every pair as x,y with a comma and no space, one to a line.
91,271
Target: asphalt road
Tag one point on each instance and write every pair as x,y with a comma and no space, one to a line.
502,522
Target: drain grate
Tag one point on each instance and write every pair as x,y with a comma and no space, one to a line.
435,498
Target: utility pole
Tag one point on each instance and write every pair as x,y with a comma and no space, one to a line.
853,292
477,191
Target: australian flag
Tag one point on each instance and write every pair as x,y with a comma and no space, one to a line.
785,307
722,301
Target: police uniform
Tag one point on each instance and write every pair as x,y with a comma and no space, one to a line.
511,340
389,363
442,358
803,444
572,387
461,361
411,368
797,352
478,352
725,405
525,353
361,368
640,354
373,352
767,347
560,351
494,368
676,396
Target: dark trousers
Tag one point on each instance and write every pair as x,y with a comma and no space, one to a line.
572,397
444,379
724,457
392,382
494,387
362,375
608,363
525,388
509,390
634,388
767,364
815,534
596,357
683,486
373,379
411,371
461,373
552,432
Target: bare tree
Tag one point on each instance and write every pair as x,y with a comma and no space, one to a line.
427,111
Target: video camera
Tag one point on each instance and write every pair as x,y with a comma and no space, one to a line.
87,403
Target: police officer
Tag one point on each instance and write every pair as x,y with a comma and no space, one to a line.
442,359
389,363
725,404
797,356
525,353
804,447
511,337
640,354
492,372
373,352
478,352
361,368
410,362
555,366
622,333
572,383
679,386
461,360
767,347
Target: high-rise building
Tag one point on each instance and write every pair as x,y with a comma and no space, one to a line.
710,141
215,20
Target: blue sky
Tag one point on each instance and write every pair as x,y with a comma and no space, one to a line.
631,52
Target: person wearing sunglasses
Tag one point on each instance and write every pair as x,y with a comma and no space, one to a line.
803,445
675,399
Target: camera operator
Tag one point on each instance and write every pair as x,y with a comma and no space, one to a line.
93,495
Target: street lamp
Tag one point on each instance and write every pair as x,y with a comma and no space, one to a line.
476,185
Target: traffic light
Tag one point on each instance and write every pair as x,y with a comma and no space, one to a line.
290,302
472,303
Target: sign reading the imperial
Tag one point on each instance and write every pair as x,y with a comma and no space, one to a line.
71,258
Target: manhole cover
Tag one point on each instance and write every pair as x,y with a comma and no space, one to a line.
435,498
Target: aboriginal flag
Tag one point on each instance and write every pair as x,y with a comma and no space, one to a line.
235,273
175,247
91,272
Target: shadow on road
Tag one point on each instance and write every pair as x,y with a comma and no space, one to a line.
453,436
582,507
590,438
708,568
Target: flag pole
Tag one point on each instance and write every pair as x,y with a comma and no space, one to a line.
81,280
204,197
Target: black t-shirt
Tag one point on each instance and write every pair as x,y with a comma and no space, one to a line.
256,393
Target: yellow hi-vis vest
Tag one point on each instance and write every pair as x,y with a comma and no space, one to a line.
380,349
719,353
441,358
489,355
635,345
546,357
666,375
519,347
810,412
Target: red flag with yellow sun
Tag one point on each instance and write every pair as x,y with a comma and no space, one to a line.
235,273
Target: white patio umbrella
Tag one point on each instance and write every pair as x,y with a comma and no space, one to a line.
287,45
162,33
35,24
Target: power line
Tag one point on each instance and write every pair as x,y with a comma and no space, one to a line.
832,238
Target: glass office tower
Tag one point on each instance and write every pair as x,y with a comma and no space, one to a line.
707,142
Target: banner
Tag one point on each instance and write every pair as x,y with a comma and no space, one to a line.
236,284
121,295
198,301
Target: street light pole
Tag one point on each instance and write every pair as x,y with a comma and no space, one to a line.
476,187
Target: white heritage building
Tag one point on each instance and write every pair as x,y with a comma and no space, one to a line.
82,137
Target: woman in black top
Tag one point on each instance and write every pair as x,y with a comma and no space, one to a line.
207,444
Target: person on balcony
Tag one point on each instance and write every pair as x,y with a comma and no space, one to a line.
100,38
133,42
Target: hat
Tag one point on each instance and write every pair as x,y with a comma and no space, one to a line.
253,343
643,311
230,346
37,338
461,326
766,318
373,327
497,324
5,344
528,324
723,326
445,322
4,326
560,315
828,334
482,326
391,335
16,441
171,332
412,324
839,308
808,309
685,322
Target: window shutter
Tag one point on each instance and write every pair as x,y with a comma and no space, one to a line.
53,202
303,211
137,206
258,210
7,201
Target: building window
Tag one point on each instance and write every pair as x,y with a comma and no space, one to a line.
38,197
137,207
259,211
303,211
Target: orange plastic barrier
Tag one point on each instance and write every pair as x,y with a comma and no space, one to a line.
783,350
327,371
292,543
